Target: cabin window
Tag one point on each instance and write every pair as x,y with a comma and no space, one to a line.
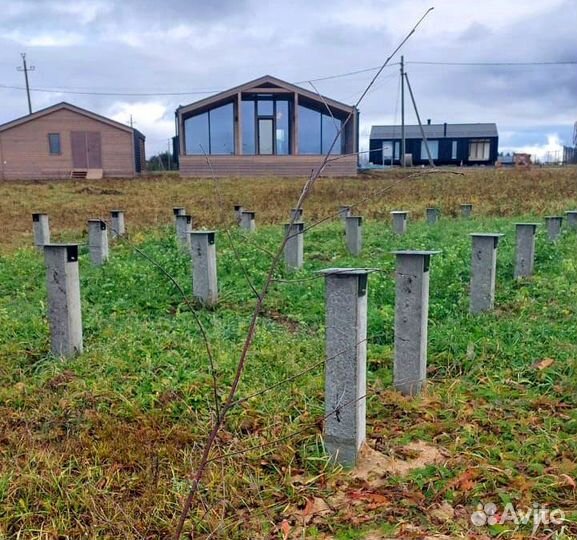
54,143
265,125
317,131
282,127
397,150
433,148
211,132
248,127
479,150
454,150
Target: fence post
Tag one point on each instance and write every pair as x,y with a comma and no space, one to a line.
204,275
571,219
296,214
554,227
411,320
63,287
294,246
344,212
41,229
183,226
483,271
117,223
466,210
433,215
525,249
238,209
354,234
98,241
346,360
247,221
179,211
399,221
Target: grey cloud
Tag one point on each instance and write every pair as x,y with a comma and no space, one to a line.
230,41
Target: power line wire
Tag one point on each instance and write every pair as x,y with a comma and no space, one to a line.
65,90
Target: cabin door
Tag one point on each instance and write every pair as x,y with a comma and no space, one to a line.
265,136
387,153
86,149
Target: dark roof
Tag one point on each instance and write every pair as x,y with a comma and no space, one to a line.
68,106
262,83
435,131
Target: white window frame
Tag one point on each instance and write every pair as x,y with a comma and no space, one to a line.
453,149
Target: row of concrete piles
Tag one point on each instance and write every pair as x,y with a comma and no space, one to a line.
346,321
63,279
346,302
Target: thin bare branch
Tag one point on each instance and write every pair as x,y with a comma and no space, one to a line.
307,188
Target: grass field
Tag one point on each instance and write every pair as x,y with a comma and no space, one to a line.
103,446
148,201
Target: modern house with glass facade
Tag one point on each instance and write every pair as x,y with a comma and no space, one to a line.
449,144
266,127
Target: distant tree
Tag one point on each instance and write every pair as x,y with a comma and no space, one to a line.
161,162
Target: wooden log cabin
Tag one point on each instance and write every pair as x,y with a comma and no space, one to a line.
64,141
266,127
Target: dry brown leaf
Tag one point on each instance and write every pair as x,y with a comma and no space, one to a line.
285,529
315,507
568,481
375,500
443,513
543,364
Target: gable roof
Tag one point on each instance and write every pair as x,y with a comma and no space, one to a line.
69,107
435,131
259,83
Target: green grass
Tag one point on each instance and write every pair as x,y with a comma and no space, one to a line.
103,444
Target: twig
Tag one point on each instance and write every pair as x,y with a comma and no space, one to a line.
194,314
259,305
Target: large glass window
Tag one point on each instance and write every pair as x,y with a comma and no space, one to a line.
330,128
282,127
454,150
317,132
309,131
433,148
196,134
211,132
222,129
266,121
248,127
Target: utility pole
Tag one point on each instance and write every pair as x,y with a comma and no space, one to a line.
402,111
169,155
131,123
25,68
423,135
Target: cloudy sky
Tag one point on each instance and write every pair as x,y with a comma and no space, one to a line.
109,51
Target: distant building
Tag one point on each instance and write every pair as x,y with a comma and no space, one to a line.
569,154
449,144
266,127
64,141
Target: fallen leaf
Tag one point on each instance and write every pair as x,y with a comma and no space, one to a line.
543,364
443,513
285,528
375,500
569,481
315,507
